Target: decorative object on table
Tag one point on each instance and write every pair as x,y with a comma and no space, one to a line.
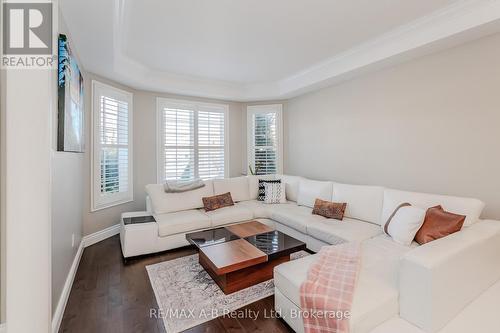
70,126
176,186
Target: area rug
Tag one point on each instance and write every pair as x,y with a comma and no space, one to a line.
187,296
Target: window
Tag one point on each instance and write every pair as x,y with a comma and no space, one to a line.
112,146
264,139
192,140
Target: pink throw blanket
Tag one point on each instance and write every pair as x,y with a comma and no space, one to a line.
326,296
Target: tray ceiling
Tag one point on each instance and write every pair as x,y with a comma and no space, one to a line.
261,49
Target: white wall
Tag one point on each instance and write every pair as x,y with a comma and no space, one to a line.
29,108
429,125
2,194
144,127
67,200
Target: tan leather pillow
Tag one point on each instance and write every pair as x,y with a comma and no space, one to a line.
438,223
217,201
331,210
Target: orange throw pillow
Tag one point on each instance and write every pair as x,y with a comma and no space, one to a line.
331,210
438,223
217,201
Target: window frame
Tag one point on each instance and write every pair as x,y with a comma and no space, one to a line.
119,198
162,102
263,109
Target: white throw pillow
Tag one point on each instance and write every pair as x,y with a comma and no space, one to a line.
404,224
275,193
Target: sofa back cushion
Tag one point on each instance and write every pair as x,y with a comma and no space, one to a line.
291,186
310,190
238,187
363,202
173,202
469,207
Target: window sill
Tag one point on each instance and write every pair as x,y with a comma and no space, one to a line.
96,208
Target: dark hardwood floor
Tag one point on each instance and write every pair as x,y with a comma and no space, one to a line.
110,296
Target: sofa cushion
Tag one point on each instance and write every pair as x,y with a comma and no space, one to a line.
253,187
363,202
217,201
438,223
291,186
336,232
226,215
404,223
238,187
382,256
181,222
173,202
469,207
310,190
373,302
296,217
328,209
261,209
262,187
274,193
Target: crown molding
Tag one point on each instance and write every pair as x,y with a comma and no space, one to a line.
456,24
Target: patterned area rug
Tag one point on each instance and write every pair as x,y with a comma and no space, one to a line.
187,296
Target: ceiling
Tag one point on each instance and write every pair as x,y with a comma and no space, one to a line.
262,49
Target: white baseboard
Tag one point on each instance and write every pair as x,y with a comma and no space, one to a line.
63,299
96,237
86,241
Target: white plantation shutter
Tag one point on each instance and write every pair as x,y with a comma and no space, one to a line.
211,137
264,139
265,145
192,140
112,169
178,143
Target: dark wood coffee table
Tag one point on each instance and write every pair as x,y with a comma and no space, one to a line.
242,255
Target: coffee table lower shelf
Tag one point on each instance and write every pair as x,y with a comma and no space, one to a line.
243,278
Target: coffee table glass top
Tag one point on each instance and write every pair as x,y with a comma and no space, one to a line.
210,237
275,243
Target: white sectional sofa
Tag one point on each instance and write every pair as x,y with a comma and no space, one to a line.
425,287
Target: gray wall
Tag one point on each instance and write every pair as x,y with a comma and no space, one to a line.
67,201
429,125
144,143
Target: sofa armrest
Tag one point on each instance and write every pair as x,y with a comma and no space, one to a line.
440,278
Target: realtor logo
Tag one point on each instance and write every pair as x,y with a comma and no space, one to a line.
27,28
27,35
